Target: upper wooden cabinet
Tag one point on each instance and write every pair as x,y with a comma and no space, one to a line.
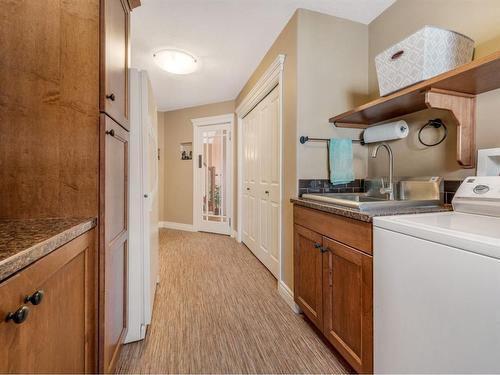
58,334
114,96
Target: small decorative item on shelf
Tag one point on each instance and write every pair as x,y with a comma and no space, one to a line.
186,150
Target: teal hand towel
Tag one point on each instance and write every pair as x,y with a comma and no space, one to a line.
340,157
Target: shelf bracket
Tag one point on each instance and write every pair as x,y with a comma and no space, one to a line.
463,108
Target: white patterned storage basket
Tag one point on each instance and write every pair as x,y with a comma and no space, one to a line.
425,54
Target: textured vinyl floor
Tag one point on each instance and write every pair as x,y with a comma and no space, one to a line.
217,310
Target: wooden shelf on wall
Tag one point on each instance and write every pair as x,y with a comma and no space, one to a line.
454,91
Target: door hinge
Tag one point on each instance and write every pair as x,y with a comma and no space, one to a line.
229,221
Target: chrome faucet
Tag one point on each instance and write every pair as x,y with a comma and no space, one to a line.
390,189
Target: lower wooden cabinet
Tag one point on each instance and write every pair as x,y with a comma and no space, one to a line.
347,303
113,242
309,274
333,284
59,334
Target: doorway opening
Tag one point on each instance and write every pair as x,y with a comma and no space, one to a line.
212,174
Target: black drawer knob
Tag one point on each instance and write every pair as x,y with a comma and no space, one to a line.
111,97
36,298
111,132
18,316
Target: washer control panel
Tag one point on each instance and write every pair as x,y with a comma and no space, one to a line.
479,195
483,186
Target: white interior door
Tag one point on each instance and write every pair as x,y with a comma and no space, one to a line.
213,152
261,181
250,196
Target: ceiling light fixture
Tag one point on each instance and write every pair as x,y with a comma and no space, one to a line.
176,61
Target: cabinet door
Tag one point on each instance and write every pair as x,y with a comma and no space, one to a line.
115,60
114,241
58,334
347,298
308,274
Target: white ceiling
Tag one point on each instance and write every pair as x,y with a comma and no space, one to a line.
229,36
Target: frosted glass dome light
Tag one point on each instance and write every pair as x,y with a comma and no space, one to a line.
176,61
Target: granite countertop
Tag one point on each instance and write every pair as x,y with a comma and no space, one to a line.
24,241
366,216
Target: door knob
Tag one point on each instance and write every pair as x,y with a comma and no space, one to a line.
145,195
111,97
248,188
18,316
267,191
36,298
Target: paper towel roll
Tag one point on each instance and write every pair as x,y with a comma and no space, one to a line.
386,132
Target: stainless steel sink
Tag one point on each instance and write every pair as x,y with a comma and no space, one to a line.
421,192
363,202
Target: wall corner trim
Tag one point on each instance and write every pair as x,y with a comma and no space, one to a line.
177,226
264,85
286,293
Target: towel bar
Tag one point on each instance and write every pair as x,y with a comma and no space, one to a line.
304,139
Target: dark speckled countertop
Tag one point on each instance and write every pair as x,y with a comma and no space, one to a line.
23,242
366,216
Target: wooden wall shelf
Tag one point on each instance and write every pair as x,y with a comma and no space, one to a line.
454,91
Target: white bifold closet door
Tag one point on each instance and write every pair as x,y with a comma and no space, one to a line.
261,181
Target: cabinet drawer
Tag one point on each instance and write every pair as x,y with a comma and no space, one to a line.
58,334
354,233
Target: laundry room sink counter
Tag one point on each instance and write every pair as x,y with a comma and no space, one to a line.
366,216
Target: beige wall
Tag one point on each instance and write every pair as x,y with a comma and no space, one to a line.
479,19
325,72
176,179
332,78
286,44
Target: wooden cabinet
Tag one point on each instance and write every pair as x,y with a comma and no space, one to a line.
308,274
333,281
58,334
114,96
347,303
114,241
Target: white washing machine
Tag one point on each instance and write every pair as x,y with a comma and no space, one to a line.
437,286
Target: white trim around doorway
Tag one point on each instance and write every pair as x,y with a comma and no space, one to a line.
271,78
207,121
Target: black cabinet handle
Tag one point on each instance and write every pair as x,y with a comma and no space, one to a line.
111,132
324,249
317,246
18,316
111,97
36,298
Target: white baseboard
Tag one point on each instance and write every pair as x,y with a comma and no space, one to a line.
234,234
287,295
177,226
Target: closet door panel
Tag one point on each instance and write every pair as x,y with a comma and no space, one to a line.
261,175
